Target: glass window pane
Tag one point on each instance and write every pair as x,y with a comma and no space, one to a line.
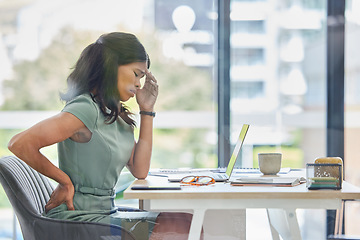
352,110
185,134
178,36
278,83
41,40
276,87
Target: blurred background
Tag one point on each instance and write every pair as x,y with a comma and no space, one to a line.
277,78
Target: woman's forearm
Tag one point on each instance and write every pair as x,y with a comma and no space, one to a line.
143,148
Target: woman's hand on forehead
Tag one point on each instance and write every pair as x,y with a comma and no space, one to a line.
146,97
150,76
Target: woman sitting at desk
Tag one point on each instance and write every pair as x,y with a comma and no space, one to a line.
95,139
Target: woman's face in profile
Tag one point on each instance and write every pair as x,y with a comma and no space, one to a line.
128,81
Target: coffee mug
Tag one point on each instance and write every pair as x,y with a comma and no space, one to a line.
269,163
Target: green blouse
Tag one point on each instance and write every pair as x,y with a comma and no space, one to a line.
94,166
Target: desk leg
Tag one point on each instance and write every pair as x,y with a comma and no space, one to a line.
339,219
274,232
144,205
196,224
284,222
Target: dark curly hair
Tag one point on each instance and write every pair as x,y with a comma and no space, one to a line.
97,68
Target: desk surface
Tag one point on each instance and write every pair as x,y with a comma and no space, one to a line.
224,196
226,191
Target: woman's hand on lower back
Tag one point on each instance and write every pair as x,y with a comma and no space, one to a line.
61,194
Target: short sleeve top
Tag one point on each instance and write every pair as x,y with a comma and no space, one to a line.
94,166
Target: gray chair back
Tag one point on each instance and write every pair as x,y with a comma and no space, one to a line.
28,192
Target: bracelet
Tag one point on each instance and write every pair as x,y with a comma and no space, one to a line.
148,113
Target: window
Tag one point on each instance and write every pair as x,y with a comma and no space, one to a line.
277,76
280,46
352,110
247,90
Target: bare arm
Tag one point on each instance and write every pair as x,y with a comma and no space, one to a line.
27,144
139,162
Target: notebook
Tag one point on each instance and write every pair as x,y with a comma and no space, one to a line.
218,176
268,181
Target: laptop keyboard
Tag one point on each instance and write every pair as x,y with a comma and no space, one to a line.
179,170
220,176
197,170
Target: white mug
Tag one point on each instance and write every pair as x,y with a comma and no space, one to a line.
269,163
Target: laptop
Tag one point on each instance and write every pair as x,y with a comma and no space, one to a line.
218,176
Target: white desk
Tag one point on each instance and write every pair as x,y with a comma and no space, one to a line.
281,202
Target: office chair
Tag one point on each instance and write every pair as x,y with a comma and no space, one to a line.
28,192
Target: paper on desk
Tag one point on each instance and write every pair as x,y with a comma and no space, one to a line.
270,181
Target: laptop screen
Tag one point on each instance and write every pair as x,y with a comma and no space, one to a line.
237,148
